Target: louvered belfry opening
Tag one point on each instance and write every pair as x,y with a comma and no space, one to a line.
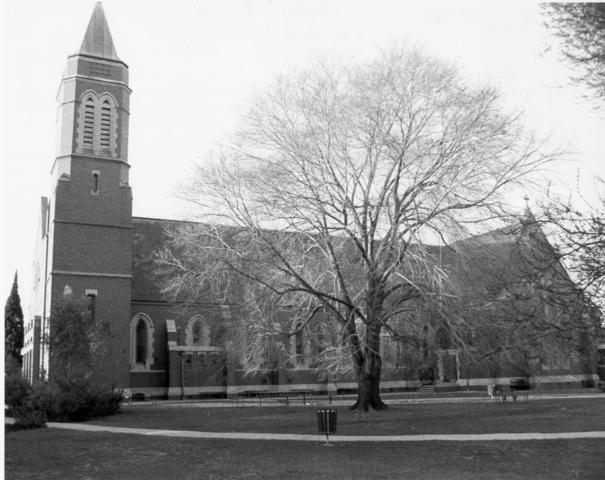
105,125
97,125
89,123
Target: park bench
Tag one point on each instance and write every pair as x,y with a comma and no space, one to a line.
128,396
502,392
245,394
281,397
257,394
300,394
520,388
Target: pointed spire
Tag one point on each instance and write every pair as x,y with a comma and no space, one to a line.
528,216
97,40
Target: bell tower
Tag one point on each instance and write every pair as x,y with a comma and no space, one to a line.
90,230
94,101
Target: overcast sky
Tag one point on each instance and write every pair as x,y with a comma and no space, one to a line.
194,66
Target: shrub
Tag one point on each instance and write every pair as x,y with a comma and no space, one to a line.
77,342
25,404
79,402
29,415
32,406
15,390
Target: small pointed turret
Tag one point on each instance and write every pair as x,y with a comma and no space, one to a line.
528,217
97,40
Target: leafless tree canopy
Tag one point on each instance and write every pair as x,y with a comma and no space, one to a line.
578,230
581,28
327,196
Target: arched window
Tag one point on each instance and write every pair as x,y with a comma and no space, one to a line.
89,122
105,124
141,342
300,345
442,338
297,345
197,332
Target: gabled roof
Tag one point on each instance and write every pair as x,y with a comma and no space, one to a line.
486,262
148,237
483,266
97,40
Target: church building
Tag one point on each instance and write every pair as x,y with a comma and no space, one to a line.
90,245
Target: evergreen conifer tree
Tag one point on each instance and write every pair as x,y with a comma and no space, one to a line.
13,328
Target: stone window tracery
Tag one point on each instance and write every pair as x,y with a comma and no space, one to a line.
97,124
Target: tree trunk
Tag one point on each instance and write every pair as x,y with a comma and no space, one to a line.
368,385
368,364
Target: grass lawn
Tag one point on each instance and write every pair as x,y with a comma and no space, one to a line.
568,415
58,454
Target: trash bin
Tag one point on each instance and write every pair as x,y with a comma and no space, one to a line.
326,422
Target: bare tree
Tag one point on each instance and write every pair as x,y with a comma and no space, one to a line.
577,227
330,191
511,305
581,28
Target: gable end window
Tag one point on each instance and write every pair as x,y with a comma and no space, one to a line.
197,332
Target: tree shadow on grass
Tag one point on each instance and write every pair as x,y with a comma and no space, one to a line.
14,427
